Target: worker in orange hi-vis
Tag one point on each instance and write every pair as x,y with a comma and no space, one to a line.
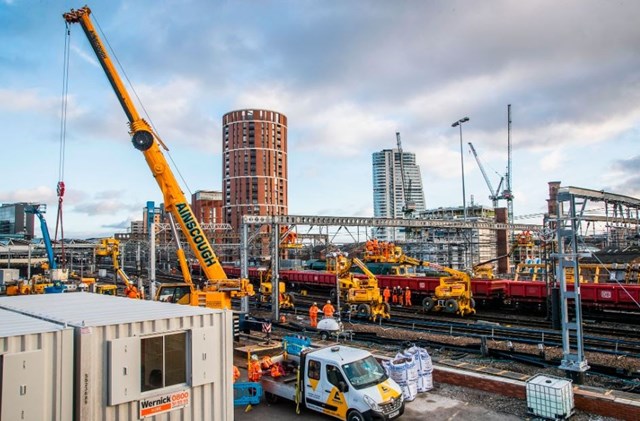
400,297
407,297
313,314
266,362
277,370
254,370
328,309
236,373
394,295
386,294
131,291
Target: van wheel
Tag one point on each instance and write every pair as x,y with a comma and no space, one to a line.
324,335
355,415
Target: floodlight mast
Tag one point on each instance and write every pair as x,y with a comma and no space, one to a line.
464,194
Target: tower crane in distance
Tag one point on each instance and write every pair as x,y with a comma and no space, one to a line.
494,196
409,206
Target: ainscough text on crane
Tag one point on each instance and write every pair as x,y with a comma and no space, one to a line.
190,223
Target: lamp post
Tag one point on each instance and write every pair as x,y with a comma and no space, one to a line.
464,199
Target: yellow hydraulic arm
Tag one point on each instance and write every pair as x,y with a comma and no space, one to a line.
145,140
372,281
111,247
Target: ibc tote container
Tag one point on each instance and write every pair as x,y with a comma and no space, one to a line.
36,369
550,397
136,359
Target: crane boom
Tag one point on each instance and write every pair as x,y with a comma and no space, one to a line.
145,140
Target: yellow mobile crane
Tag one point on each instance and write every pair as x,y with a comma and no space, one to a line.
362,296
219,290
110,247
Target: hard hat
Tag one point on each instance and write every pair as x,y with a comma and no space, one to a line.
328,301
254,357
315,304
407,287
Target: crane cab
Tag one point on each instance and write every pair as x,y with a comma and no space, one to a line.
179,293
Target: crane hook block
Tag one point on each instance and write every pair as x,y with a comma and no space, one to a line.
142,140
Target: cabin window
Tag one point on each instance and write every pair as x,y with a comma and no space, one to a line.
164,361
334,376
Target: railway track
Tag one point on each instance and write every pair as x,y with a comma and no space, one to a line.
441,348
616,340
608,327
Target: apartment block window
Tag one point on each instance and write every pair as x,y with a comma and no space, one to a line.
164,361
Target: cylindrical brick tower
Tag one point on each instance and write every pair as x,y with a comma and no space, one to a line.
254,174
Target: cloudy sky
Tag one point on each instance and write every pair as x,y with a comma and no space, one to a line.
348,75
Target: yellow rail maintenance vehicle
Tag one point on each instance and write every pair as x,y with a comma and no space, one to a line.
361,296
110,247
453,295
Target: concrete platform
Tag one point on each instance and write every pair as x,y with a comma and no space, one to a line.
494,383
428,405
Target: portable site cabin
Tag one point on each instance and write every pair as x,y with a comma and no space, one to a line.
36,369
136,359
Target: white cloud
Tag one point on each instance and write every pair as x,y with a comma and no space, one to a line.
40,194
28,100
86,55
177,111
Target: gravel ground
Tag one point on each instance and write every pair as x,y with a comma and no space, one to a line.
502,404
622,363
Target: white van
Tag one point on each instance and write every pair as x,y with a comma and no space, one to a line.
344,382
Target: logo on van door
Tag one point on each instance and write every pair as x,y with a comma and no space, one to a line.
337,397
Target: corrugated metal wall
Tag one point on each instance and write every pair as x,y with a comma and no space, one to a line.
211,401
36,363
108,328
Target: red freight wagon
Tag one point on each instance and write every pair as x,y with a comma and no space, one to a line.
610,295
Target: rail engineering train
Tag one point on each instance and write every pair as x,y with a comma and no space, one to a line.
487,293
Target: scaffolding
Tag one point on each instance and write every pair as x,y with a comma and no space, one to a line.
574,214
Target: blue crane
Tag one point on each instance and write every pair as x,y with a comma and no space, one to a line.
39,210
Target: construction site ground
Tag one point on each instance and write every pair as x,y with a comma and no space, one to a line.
487,397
